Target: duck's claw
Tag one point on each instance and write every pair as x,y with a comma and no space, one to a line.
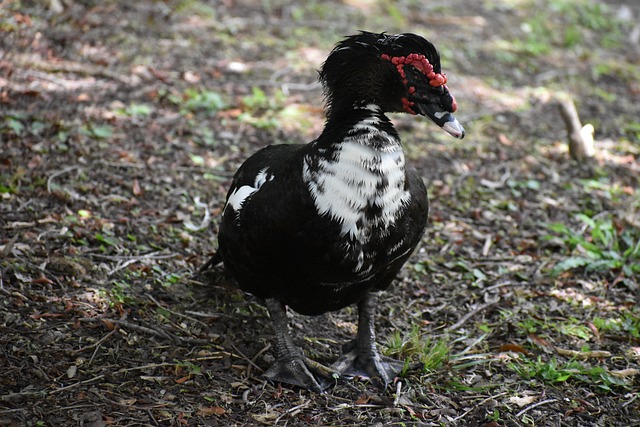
302,372
380,370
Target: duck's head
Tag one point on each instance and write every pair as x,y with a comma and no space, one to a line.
397,72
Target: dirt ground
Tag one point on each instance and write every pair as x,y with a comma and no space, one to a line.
121,124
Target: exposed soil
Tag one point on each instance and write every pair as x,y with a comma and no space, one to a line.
121,124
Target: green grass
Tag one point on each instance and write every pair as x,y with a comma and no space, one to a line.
601,245
554,371
416,345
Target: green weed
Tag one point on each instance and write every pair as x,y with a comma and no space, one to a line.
135,110
118,294
601,246
554,371
196,100
628,323
261,109
431,354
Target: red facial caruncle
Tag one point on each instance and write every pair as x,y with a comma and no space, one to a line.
420,62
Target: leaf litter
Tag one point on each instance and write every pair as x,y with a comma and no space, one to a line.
123,124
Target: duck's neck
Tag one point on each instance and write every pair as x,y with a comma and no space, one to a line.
364,123
356,173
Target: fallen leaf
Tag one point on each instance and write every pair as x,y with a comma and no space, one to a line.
108,323
44,315
363,400
540,341
136,188
522,401
514,348
41,280
183,379
211,410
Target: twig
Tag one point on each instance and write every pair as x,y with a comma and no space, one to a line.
73,67
96,344
292,411
472,313
152,255
535,405
633,399
57,174
90,380
155,332
258,354
580,138
9,245
205,221
468,411
242,356
176,313
397,398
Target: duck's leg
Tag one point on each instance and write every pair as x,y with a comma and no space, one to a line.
292,366
362,358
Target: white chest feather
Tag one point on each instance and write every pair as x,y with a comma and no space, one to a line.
361,187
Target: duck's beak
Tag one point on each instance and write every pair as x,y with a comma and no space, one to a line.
441,117
434,102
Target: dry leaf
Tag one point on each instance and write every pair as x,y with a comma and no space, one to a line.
136,188
540,341
522,401
183,379
514,348
108,324
363,400
211,410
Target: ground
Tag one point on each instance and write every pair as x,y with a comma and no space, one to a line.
121,124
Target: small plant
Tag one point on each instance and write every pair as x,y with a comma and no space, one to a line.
195,100
553,371
431,354
628,322
261,109
118,294
135,110
600,247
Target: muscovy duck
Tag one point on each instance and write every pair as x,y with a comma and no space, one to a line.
320,226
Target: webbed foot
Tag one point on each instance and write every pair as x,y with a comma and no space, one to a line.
291,365
302,372
361,357
381,370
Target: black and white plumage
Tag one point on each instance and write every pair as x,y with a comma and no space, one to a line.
321,226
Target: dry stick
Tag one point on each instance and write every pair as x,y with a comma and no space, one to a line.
90,380
155,332
9,245
467,412
119,371
292,411
242,356
133,260
580,147
472,313
535,405
76,68
258,354
96,344
176,313
57,174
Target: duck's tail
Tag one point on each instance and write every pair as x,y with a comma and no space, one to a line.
213,261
